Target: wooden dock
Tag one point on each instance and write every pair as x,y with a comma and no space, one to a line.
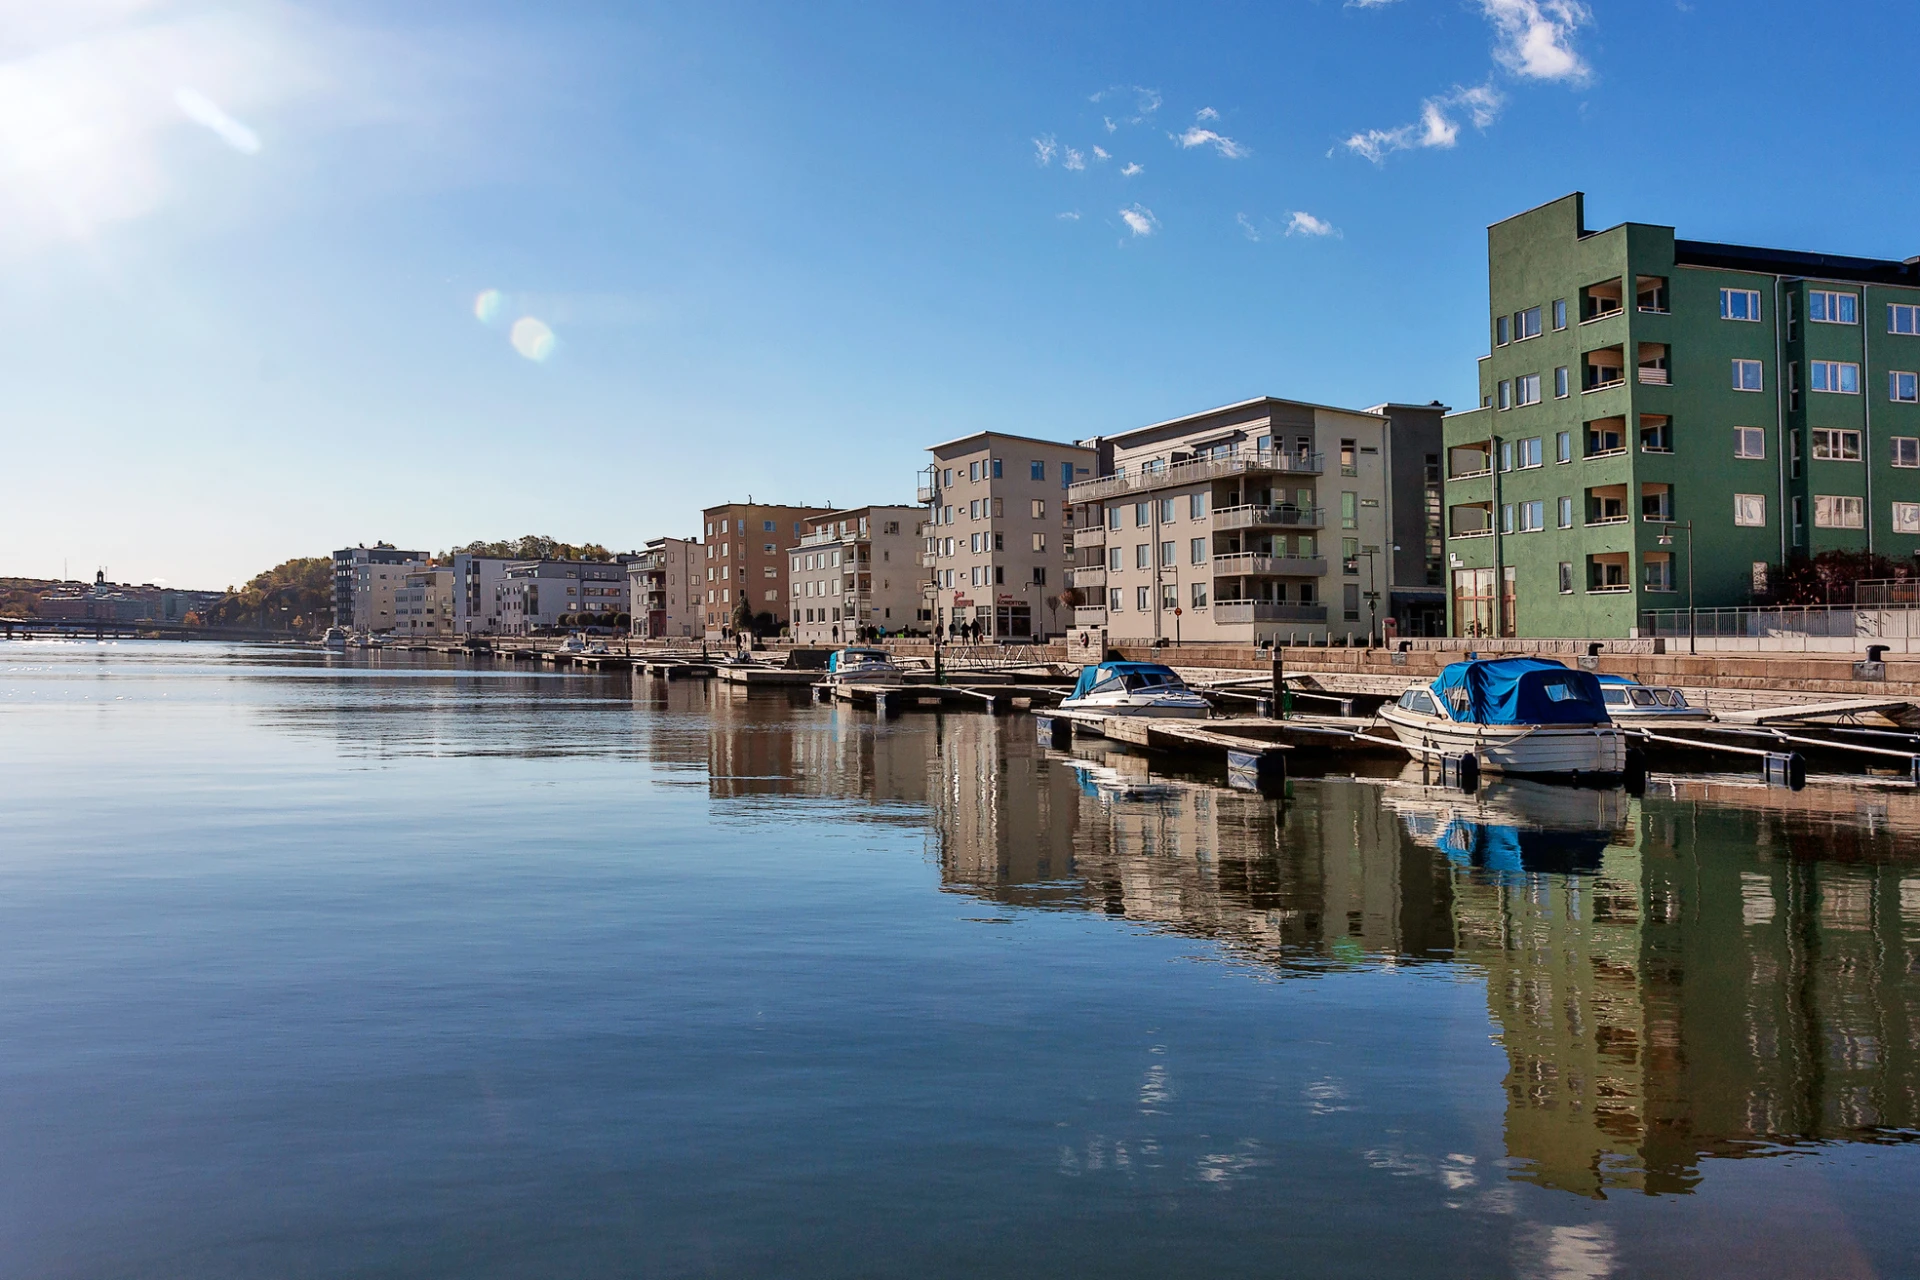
1254,761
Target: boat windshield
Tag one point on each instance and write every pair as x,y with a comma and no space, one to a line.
1641,697
1615,695
1670,698
1137,680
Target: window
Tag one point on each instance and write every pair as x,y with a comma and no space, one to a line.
1750,510
1349,510
1746,376
1793,453
1141,600
1566,577
1115,600
1169,595
1903,386
1506,518
1824,307
1656,571
973,471
1906,517
1526,389
1350,556
1533,516
1503,395
1831,512
1903,318
1197,551
1142,514
1166,511
1506,455
1039,576
1530,452
1039,508
1500,331
1113,517
1066,475
1350,602
1906,451
1167,560
1113,559
1563,447
1566,516
1739,304
973,509
1562,386
1143,556
1199,595
1346,459
1749,442
1526,324
1039,542
1836,446
1799,521
1559,313
1037,471
996,468
1835,376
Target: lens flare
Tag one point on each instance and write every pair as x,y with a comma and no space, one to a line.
486,306
532,339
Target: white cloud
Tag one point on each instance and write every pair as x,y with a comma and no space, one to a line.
1246,226
1132,169
1302,223
1074,159
1100,153
1436,128
1145,102
1536,37
1206,113
1368,4
1198,137
204,110
1108,121
1045,148
1139,220
1071,215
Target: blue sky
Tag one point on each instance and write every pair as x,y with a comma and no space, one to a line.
777,250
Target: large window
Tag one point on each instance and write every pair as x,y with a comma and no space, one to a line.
1559,313
1903,386
1903,318
1526,389
1835,376
1530,452
1036,471
1196,505
1836,512
1750,509
1526,324
1197,550
1199,596
1533,517
1906,517
1906,451
1836,446
1349,510
1826,307
1739,304
1143,556
1566,515
1749,442
1562,387
1142,514
1746,376
1167,515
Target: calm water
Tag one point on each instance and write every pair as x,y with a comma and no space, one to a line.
324,966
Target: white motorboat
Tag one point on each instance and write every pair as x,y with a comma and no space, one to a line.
1648,706
864,666
1520,716
335,638
1136,689
574,643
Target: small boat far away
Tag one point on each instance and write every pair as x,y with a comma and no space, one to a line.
1520,716
335,638
1136,689
864,666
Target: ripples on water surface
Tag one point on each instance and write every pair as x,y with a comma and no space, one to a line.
363,965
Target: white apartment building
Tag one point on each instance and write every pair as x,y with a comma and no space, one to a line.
536,594
476,603
1260,522
660,587
852,570
996,537
374,585
423,604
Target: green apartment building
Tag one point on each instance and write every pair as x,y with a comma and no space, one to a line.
1639,383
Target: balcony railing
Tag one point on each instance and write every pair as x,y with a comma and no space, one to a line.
828,538
1089,577
1194,470
1228,612
1600,520
1618,380
1089,615
1481,474
926,493
1090,535
1259,516
929,559
1653,377
1252,563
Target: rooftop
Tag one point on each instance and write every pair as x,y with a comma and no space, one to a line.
1242,404
1003,435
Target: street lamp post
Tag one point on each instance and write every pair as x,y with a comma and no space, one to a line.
1666,540
1373,593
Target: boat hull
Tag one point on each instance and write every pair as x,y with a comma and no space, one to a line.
1543,751
1143,710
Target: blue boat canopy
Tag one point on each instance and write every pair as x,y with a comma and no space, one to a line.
857,655
1616,680
1519,691
1134,675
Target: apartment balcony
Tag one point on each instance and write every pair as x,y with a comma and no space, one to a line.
1197,470
1091,535
1652,365
1089,615
1088,577
1252,564
926,493
929,559
1230,612
828,538
1259,516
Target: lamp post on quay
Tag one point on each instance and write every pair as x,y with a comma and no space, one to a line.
1666,540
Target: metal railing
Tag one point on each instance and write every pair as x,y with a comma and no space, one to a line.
1194,470
1229,612
1253,562
1088,576
1268,517
1883,592
1789,628
1089,615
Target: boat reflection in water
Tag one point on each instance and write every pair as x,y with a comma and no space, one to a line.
1515,826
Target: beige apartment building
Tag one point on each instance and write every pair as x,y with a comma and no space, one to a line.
661,589
744,557
1269,521
852,570
995,547
423,603
374,584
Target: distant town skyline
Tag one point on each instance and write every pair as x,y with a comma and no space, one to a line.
284,279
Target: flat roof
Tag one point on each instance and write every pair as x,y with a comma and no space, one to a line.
1003,435
1792,262
1242,404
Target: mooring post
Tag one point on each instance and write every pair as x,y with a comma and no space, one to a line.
1278,705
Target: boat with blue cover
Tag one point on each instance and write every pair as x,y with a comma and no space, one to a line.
864,666
1519,716
1135,689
